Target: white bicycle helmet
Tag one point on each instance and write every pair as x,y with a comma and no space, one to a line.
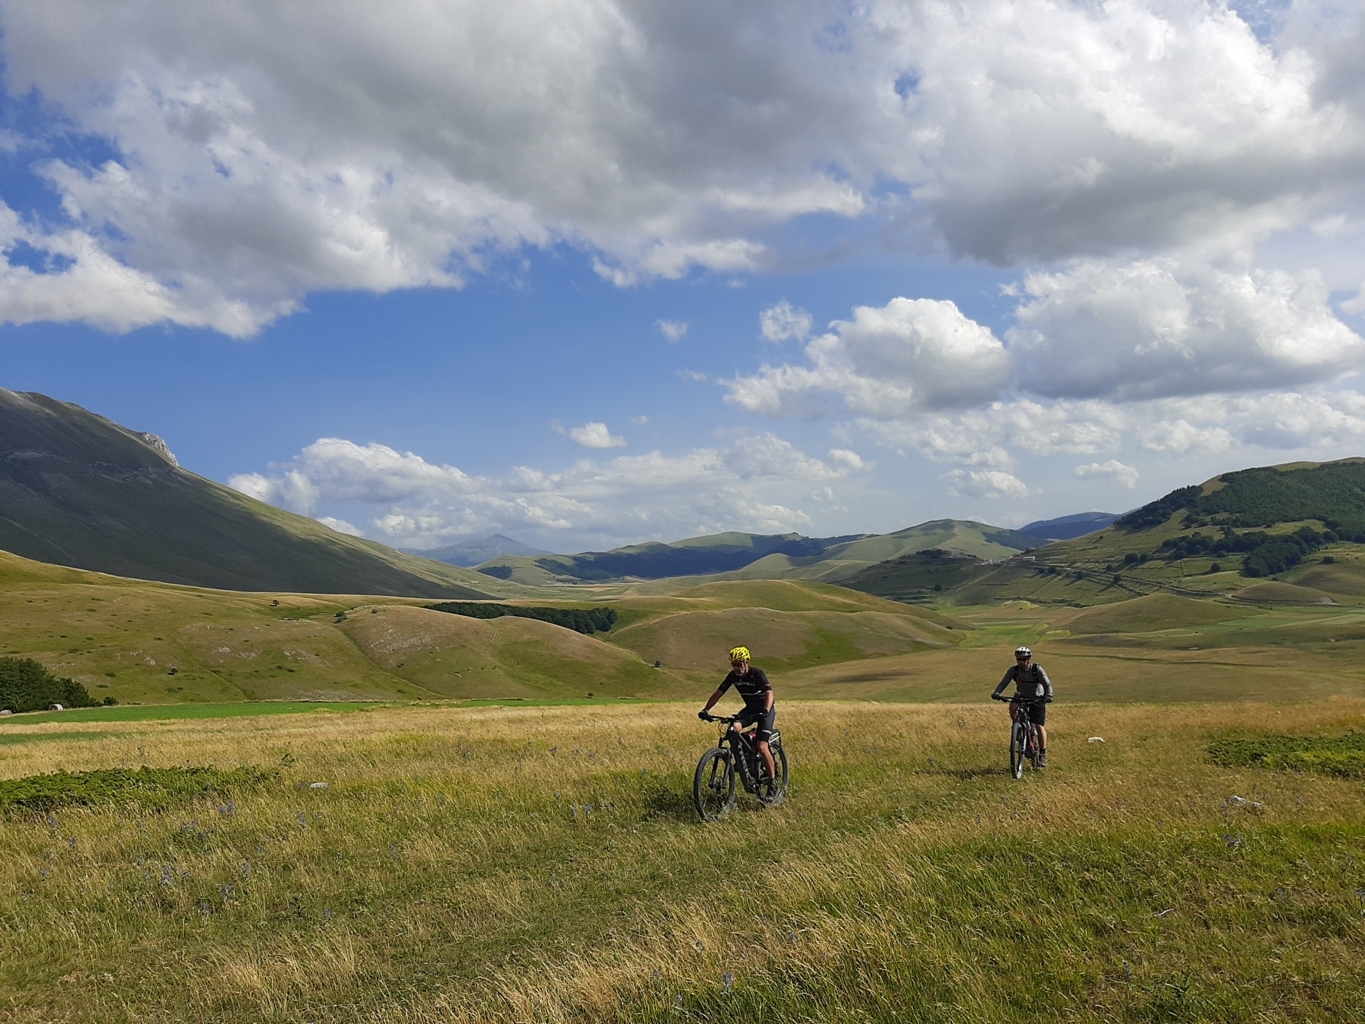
1020,653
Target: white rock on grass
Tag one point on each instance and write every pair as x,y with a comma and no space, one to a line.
1095,739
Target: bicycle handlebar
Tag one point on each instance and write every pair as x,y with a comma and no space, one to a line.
720,718
1022,700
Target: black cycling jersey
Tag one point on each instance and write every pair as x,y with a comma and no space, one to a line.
1028,682
752,686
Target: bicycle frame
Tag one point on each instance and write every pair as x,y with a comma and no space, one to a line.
1023,734
743,747
735,758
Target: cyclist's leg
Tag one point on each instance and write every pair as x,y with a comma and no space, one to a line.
765,733
1038,714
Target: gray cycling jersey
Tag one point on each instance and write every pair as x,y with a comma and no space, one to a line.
1028,682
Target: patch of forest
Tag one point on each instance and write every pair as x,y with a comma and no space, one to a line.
1332,493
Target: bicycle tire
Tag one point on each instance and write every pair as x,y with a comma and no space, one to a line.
772,792
1017,744
713,785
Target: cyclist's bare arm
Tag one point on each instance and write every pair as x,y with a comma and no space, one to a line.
720,692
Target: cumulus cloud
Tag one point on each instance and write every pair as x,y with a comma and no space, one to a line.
985,483
244,172
673,330
1153,328
757,483
1113,470
1050,130
340,526
908,356
595,435
783,321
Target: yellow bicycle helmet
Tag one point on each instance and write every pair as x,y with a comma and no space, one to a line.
739,654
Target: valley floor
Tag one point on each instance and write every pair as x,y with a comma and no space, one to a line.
545,864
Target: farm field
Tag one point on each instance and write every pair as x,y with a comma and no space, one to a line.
544,864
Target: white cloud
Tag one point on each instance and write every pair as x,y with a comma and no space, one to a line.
596,435
1049,130
340,526
1113,469
908,356
783,321
757,483
673,330
985,483
1153,328
658,138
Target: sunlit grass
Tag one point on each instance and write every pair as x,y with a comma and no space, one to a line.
538,864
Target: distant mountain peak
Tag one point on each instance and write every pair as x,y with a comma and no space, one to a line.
80,490
1067,527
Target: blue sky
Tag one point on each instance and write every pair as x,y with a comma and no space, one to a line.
590,274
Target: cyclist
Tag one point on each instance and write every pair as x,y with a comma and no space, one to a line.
751,683
1029,681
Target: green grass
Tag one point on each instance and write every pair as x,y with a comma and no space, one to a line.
148,787
1326,755
173,712
544,864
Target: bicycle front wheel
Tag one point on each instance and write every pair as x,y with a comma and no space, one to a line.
773,791
713,786
1017,743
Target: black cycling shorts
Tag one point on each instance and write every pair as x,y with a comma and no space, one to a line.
1037,710
764,719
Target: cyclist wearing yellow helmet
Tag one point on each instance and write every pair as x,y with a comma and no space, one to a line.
751,683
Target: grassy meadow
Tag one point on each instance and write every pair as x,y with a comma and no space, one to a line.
544,864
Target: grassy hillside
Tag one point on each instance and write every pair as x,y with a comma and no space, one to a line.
1331,492
788,625
1299,530
79,490
730,556
544,864
149,642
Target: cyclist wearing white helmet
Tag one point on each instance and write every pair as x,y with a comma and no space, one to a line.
751,683
1030,681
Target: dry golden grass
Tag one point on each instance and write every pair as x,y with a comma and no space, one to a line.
544,864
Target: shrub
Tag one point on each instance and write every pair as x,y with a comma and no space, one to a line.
27,685
583,620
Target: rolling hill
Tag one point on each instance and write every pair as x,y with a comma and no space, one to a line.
79,490
759,556
147,642
469,553
1067,527
1298,529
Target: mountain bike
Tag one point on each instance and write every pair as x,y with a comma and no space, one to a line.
1023,733
734,758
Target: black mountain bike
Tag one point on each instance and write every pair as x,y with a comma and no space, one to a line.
735,756
1023,733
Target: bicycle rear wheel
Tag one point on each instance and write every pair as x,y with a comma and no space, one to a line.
773,791
1017,742
713,785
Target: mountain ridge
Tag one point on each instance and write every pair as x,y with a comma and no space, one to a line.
80,490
